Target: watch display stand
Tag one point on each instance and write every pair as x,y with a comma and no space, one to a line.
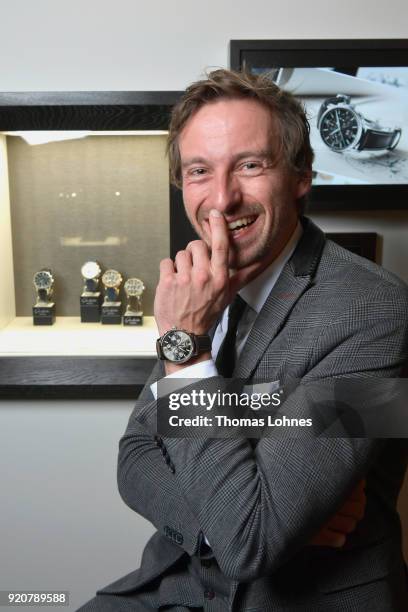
133,318
44,314
90,306
111,313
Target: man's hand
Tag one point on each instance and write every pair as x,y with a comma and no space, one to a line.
334,533
195,289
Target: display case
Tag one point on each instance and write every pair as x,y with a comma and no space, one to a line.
83,177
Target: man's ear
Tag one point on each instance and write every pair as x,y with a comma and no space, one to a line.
304,184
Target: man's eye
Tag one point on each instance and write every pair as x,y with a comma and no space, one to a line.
197,171
252,166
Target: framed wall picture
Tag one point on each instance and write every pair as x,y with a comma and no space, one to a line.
360,243
355,93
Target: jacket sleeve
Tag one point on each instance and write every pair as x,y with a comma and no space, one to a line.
146,479
259,507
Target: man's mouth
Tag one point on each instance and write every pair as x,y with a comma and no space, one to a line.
237,228
241,223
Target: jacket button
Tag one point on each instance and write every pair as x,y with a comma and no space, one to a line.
209,594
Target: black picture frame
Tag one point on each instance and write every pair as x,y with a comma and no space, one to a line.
80,377
364,244
344,54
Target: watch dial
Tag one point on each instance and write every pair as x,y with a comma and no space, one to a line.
43,279
339,128
134,287
91,269
177,346
112,278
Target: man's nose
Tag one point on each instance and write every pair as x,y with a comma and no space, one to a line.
226,192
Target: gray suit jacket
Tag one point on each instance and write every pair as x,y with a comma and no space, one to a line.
331,314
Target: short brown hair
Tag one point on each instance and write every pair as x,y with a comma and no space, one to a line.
285,109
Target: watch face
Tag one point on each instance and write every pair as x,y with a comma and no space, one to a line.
112,278
340,128
43,279
134,287
90,270
177,346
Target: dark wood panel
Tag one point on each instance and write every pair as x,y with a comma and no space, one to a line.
84,118
86,110
181,230
360,243
73,377
88,98
291,52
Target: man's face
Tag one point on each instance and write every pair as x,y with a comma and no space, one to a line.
226,149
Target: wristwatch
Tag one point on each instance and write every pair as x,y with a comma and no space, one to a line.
43,282
91,272
134,287
342,128
112,280
179,345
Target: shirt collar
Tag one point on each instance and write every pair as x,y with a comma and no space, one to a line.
256,291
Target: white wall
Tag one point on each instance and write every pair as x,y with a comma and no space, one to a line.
63,525
77,526
134,44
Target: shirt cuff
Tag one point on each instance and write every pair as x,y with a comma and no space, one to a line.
202,369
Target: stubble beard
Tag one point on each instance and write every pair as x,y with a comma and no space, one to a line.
258,252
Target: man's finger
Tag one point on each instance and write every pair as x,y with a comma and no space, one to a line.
166,267
358,493
219,241
199,254
342,524
353,509
326,537
183,262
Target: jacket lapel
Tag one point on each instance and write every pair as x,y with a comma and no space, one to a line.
295,279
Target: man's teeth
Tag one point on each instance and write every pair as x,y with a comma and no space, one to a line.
240,222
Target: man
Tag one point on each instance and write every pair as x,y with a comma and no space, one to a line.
236,518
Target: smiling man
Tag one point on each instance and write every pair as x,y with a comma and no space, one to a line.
273,523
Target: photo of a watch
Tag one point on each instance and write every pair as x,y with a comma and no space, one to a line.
112,280
343,128
91,272
179,345
43,282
